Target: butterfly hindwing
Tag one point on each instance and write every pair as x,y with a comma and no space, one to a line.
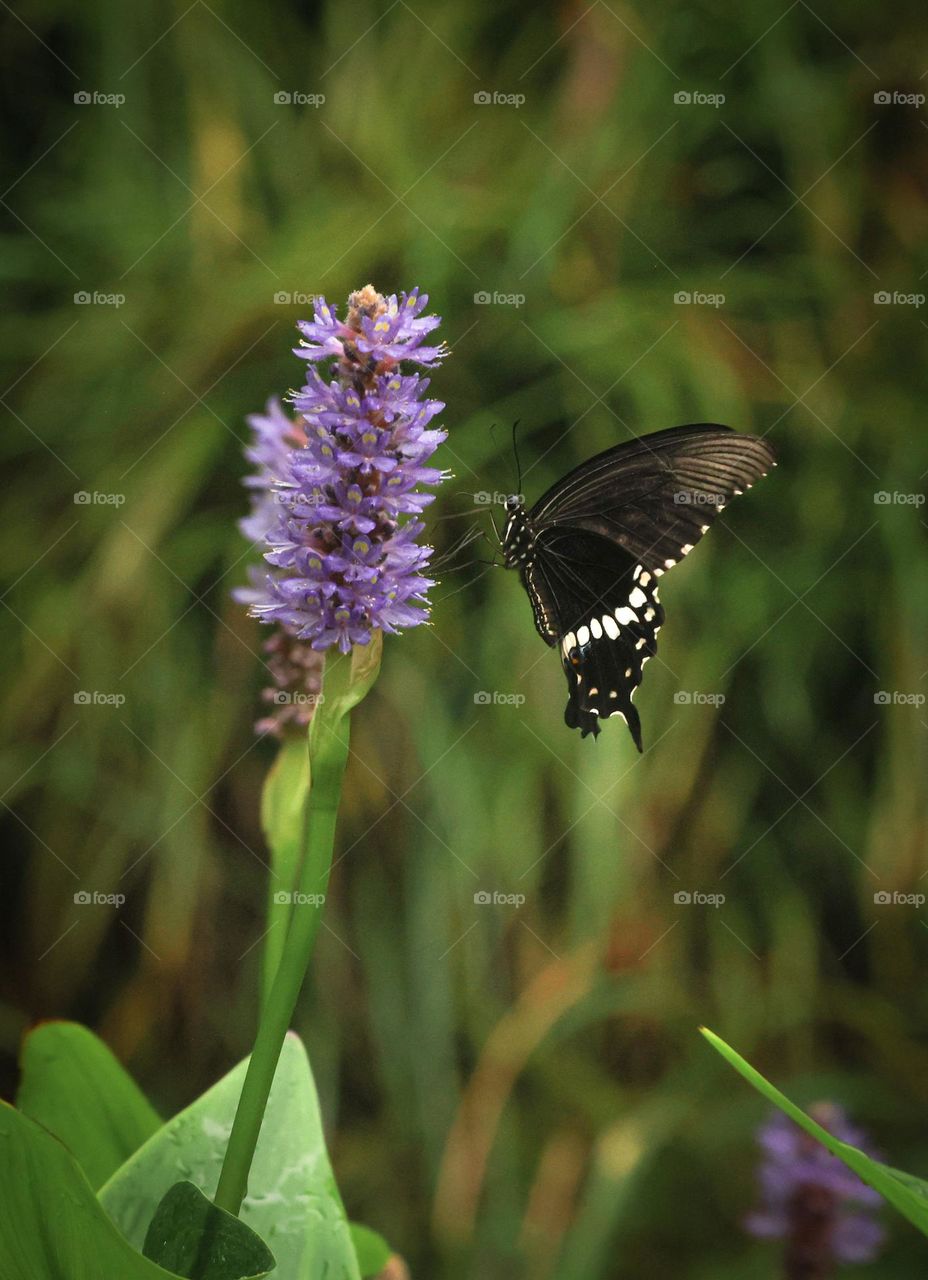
601,608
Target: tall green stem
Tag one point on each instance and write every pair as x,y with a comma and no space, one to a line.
329,756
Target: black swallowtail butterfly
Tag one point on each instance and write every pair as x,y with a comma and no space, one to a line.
591,550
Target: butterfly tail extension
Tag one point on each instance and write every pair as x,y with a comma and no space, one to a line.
602,675
587,721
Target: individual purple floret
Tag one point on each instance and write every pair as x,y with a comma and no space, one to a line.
338,485
811,1200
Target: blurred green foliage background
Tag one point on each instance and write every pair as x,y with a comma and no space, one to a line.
510,1090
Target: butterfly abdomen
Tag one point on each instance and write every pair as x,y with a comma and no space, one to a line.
519,552
518,536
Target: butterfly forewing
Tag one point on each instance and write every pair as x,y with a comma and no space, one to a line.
656,496
592,548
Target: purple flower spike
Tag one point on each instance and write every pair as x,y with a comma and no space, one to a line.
811,1200
377,328
338,486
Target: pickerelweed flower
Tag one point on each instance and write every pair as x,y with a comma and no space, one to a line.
338,490
811,1200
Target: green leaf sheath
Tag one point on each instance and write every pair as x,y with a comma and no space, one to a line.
904,1192
283,819
194,1239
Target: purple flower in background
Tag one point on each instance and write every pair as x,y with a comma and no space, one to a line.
813,1202
338,489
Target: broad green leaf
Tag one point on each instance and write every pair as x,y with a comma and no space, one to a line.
905,1192
293,1202
283,815
72,1084
195,1239
373,1251
52,1227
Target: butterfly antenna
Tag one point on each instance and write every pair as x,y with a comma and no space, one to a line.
453,515
515,450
